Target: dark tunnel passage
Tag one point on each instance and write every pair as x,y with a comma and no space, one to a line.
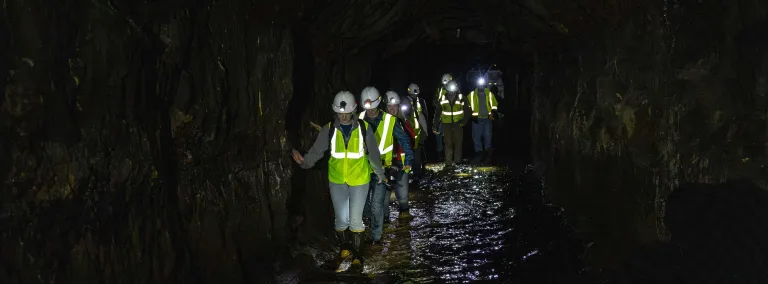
152,141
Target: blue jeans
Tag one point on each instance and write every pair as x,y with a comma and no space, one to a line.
439,137
374,207
379,202
348,202
401,192
482,129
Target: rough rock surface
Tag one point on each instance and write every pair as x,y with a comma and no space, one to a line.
643,96
143,142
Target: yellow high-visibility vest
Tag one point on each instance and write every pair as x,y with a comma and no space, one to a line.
414,120
490,102
451,114
384,136
348,164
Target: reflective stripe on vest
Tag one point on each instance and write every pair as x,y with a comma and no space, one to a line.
348,164
414,120
490,102
385,129
451,114
416,116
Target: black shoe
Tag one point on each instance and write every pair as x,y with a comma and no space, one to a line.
358,261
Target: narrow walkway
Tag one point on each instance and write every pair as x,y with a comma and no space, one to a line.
470,224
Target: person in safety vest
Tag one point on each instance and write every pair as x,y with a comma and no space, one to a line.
416,111
438,128
387,132
396,107
483,104
452,112
353,154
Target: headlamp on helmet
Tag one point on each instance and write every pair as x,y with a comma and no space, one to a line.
481,81
452,86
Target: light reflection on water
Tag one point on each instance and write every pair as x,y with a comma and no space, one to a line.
466,226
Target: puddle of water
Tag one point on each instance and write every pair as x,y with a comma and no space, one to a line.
473,224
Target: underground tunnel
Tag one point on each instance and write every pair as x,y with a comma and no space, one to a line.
153,141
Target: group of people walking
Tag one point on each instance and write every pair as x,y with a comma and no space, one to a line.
455,111
380,149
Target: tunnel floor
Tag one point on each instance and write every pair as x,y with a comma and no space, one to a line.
472,223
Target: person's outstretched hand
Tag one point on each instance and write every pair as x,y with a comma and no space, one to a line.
315,126
297,157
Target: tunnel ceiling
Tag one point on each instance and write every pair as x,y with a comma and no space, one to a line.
390,26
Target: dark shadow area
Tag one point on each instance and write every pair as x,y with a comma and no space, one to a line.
718,235
543,245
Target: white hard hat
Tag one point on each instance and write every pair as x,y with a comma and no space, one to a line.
413,89
393,98
446,77
451,86
370,98
344,102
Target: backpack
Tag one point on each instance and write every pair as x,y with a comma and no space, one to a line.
408,129
411,137
360,122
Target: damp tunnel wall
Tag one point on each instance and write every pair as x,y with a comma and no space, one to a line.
143,147
637,98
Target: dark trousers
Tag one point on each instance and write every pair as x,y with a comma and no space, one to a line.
418,160
453,136
439,138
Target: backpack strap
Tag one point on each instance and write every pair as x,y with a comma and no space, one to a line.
361,124
331,130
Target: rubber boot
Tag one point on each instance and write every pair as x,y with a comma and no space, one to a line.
404,215
358,260
343,240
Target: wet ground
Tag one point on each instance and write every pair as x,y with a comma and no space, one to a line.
469,224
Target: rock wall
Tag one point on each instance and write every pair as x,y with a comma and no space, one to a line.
143,142
641,96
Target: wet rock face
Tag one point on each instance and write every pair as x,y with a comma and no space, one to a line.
644,98
143,143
